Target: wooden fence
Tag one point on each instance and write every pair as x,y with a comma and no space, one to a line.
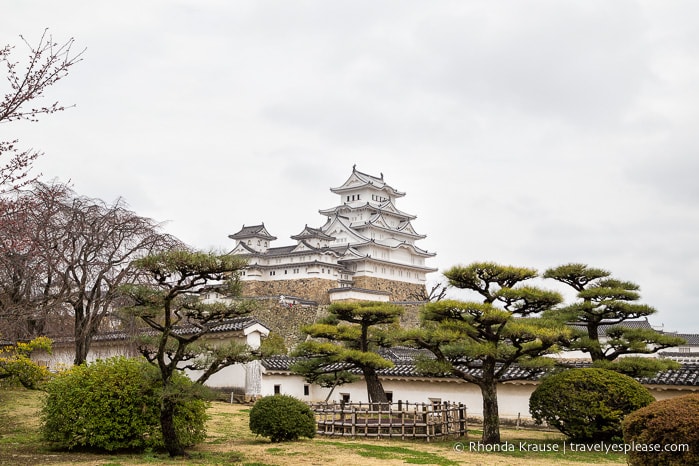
398,420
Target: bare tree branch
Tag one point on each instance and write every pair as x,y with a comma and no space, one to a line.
77,249
48,62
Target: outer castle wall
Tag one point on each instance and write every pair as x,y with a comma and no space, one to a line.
288,319
312,289
316,289
400,291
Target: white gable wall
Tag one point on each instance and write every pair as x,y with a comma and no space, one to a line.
513,397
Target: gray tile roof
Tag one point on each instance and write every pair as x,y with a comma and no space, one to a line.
641,323
309,232
688,374
226,325
403,359
231,325
252,231
692,338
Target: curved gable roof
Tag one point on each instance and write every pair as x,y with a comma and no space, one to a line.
389,206
360,180
312,233
336,223
242,248
253,231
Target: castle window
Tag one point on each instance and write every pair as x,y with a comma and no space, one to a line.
285,271
306,390
277,389
347,198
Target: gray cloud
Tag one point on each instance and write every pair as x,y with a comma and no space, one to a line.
532,133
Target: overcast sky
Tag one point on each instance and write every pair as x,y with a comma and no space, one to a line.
530,133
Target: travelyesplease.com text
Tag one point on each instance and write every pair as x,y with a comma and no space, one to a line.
564,447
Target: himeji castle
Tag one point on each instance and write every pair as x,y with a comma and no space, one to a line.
365,251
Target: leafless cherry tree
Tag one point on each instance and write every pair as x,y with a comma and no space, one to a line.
31,291
77,251
100,243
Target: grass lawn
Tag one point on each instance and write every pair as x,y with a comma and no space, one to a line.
231,442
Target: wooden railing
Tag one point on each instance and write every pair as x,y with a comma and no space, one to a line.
397,420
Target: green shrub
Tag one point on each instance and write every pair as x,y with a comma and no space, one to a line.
282,418
665,423
588,404
115,404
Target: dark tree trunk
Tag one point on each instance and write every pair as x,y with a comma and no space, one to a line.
491,416
81,343
374,387
167,424
596,353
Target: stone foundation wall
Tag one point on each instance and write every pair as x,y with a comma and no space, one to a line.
400,291
411,316
312,289
316,289
287,321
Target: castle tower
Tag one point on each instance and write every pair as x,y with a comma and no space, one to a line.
365,250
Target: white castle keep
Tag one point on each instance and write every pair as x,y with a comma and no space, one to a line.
365,251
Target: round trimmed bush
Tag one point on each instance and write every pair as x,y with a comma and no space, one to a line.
282,418
114,404
666,423
588,404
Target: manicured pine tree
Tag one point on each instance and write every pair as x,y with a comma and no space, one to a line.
170,302
348,339
606,301
479,341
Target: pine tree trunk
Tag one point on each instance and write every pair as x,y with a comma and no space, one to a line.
595,349
167,424
491,417
374,387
